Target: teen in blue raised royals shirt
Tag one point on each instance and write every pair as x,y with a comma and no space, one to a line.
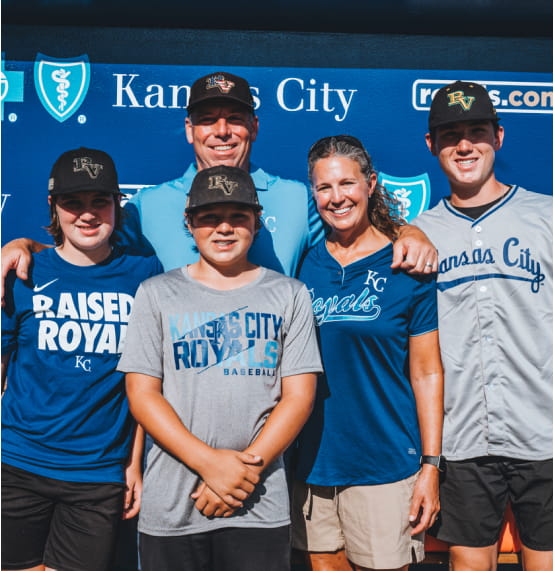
68,471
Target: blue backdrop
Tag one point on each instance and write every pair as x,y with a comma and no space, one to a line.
136,113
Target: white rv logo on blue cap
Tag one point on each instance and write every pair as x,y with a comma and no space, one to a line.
62,84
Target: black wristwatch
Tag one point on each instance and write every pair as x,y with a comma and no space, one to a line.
437,461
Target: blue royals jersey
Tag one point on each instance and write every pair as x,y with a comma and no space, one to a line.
65,412
364,427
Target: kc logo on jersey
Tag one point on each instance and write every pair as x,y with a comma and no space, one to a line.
219,81
62,84
412,193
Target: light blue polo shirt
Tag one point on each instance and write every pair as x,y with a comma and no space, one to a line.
291,225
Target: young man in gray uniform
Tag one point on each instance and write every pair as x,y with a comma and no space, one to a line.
495,322
221,361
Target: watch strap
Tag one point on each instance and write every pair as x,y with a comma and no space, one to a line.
437,461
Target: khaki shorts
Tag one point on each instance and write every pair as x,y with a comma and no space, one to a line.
370,522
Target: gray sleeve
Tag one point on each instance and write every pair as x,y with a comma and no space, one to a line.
300,346
143,350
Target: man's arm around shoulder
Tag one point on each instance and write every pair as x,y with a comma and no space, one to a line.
17,255
413,251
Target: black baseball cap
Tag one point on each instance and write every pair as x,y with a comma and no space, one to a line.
221,85
83,170
222,184
461,101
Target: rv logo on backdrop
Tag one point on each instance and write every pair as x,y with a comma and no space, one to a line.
412,193
62,84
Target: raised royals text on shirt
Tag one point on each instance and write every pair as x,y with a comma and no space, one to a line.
65,412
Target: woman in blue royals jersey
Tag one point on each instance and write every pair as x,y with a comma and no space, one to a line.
369,457
71,455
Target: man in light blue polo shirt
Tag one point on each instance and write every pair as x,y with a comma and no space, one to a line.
222,126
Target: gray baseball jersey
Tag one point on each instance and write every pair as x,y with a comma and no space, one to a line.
495,325
221,356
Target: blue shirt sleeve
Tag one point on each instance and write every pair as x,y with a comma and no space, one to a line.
156,268
423,309
131,237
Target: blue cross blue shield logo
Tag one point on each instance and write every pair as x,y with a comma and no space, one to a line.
412,193
62,84
11,87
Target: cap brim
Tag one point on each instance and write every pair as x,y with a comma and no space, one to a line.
219,97
56,192
462,120
190,209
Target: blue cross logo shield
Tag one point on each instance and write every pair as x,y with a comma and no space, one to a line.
412,193
62,84
11,87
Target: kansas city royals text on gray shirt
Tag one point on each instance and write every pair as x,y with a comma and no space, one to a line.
221,356
495,285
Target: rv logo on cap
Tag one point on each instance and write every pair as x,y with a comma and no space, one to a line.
459,98
221,182
85,164
219,81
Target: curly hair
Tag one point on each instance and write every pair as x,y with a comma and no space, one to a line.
383,208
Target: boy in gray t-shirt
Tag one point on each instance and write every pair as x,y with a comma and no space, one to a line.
221,361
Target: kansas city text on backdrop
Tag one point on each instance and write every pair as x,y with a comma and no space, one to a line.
136,113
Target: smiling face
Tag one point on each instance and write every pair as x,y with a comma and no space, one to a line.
466,152
86,220
341,193
223,233
221,133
